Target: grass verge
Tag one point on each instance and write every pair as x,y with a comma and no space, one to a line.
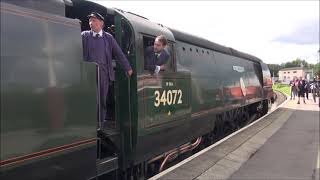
282,88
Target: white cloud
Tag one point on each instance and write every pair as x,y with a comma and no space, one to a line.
248,26
306,34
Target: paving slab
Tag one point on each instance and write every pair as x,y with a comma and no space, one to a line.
291,153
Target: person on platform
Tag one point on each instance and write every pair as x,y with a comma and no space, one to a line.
314,89
307,89
293,86
301,90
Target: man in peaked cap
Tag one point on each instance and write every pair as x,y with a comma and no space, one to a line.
99,47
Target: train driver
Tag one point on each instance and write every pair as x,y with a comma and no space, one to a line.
156,56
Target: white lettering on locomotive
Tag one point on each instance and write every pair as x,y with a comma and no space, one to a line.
168,97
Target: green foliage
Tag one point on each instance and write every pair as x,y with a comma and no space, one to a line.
274,69
295,63
316,69
282,88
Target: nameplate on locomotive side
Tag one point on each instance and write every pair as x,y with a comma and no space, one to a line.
238,68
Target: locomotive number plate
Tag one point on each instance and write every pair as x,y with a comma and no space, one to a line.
167,97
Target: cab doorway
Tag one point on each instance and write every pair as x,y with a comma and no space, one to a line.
80,11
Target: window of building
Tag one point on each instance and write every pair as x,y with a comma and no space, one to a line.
284,72
294,71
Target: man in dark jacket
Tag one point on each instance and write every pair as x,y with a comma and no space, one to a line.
99,47
307,88
314,89
301,89
156,56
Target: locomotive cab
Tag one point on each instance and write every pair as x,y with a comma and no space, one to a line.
80,10
120,91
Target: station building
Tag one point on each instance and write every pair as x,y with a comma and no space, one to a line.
288,74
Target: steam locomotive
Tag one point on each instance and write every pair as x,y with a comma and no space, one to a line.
49,123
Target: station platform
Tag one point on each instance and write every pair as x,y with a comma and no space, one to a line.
284,144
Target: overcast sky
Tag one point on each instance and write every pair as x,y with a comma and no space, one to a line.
275,31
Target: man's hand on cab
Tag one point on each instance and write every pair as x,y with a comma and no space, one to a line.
162,67
130,72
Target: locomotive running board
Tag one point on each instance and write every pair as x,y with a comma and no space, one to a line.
107,165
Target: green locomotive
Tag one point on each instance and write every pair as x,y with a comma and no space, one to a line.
49,126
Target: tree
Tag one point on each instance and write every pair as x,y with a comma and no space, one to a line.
295,63
316,69
274,69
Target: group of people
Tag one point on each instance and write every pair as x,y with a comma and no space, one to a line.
301,88
100,46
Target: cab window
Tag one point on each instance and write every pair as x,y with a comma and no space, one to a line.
153,58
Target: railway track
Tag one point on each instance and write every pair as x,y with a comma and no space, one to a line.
279,99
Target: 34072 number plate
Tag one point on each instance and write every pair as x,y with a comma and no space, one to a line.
167,97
